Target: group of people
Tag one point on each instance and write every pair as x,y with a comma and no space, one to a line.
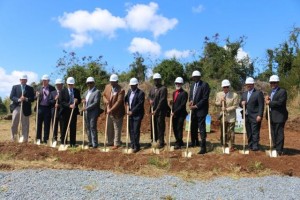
58,106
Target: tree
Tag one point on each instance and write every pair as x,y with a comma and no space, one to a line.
3,109
169,69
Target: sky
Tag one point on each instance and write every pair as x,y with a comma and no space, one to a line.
34,33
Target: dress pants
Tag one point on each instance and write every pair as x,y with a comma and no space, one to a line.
198,123
277,131
15,124
91,127
178,122
159,129
134,130
44,116
72,132
253,129
114,129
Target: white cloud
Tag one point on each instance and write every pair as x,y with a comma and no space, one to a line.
177,54
241,54
198,9
143,45
143,17
8,80
83,23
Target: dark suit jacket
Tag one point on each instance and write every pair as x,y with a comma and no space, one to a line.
201,98
179,106
64,99
160,100
137,105
255,105
52,102
16,93
279,113
93,103
40,90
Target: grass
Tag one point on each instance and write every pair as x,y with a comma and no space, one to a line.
161,163
256,166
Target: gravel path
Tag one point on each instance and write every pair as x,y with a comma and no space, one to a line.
79,184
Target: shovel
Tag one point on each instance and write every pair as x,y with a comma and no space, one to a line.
171,148
105,149
54,142
127,150
64,147
187,153
83,130
244,151
37,141
225,149
154,148
20,136
271,153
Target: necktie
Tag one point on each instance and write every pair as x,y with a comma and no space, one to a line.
71,96
195,90
248,95
22,88
176,95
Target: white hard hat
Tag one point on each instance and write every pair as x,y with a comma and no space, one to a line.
59,81
23,76
45,77
249,80
274,78
114,78
133,81
156,76
225,83
70,80
90,79
196,73
179,80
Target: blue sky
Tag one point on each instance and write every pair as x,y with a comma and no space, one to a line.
33,33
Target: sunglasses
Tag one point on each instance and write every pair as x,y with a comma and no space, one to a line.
226,87
89,83
273,82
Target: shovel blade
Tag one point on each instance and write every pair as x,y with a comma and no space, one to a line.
84,147
38,142
54,144
272,154
171,148
155,150
226,150
127,151
63,147
105,150
187,154
21,139
244,151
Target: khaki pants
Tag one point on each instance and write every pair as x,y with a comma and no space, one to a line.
114,128
229,134
15,124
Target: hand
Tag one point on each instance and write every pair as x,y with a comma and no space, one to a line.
22,98
243,103
37,94
223,99
72,106
258,118
193,107
108,111
129,113
171,102
153,113
75,100
56,105
267,100
224,109
191,103
151,102
56,97
83,109
83,100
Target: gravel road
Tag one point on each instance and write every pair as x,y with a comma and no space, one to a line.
80,184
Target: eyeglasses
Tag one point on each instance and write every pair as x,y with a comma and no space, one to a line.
89,83
273,82
226,87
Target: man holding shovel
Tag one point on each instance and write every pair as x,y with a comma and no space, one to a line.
91,107
228,102
113,98
69,100
253,100
178,103
135,98
54,96
199,97
278,113
158,101
21,94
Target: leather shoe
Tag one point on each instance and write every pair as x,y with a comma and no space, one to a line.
135,150
115,147
177,147
202,151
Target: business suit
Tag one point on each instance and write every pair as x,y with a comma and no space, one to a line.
179,114
114,99
44,113
136,107
91,115
199,95
159,95
278,115
58,119
254,107
15,95
65,112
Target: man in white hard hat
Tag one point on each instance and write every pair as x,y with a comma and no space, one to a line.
179,113
44,108
230,101
91,101
278,113
24,94
199,101
135,98
54,102
113,98
158,101
69,100
254,105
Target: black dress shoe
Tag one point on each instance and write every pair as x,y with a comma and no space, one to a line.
202,151
161,146
177,147
135,150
